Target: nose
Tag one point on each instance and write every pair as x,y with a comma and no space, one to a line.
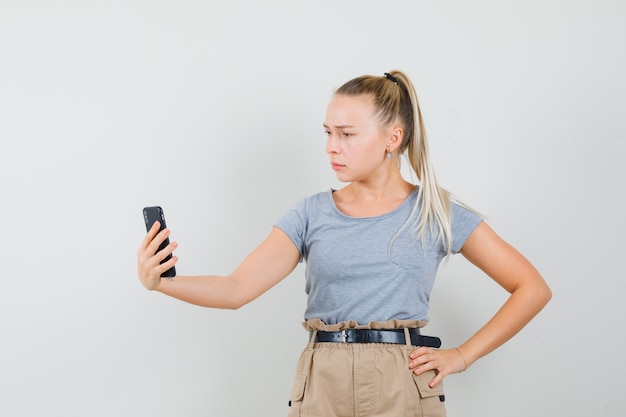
331,144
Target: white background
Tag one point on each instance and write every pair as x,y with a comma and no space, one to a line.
213,110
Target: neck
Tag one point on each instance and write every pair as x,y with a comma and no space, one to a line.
383,189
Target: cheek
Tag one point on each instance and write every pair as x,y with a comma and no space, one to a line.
366,158
363,151
373,151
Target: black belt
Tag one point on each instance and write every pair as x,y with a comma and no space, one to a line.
377,336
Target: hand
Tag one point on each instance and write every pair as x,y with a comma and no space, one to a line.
149,267
444,362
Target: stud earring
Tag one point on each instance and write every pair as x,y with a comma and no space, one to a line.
389,155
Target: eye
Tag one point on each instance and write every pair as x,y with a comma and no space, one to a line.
346,134
326,132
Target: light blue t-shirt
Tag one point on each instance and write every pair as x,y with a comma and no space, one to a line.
352,272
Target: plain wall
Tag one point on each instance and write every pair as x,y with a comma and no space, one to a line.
214,110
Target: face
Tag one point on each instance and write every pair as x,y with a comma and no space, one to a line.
356,142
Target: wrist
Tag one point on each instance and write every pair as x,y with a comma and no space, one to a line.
162,283
463,358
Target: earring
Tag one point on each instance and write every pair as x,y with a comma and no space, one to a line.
389,155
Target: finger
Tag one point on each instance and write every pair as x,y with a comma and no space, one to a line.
154,245
418,352
429,360
168,250
420,356
150,235
436,380
167,265
152,262
148,259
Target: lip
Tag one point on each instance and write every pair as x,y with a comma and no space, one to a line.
336,166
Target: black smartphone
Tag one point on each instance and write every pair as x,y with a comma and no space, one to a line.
151,215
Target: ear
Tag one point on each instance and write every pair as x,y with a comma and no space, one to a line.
395,138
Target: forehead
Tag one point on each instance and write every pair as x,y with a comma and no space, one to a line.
350,110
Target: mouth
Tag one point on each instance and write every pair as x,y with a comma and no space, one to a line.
336,166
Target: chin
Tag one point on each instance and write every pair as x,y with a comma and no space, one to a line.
347,180
343,178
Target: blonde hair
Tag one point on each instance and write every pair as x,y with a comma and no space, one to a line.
395,98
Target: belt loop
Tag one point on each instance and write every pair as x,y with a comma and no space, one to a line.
407,336
312,339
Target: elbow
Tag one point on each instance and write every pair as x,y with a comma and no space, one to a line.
235,302
234,297
233,306
537,293
547,294
238,295
542,294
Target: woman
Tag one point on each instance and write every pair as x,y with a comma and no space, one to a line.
372,250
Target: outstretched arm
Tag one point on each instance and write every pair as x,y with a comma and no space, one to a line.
267,265
529,294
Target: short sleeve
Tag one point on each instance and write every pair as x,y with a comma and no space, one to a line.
464,222
293,223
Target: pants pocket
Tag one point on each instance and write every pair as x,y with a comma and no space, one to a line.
297,393
431,399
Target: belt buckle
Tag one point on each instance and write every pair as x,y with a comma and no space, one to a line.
344,336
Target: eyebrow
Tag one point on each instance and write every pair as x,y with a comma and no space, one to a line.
340,126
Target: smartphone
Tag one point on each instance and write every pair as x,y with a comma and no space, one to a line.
151,215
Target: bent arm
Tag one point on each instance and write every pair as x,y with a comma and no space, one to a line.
267,265
509,268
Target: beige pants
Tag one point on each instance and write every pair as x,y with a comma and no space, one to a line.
362,379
